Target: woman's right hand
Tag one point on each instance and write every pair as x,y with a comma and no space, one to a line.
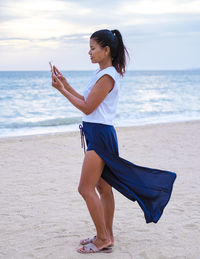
60,76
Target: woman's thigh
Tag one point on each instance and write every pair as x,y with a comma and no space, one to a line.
92,169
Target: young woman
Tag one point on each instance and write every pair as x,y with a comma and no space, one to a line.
102,166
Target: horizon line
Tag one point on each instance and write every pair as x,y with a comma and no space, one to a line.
85,70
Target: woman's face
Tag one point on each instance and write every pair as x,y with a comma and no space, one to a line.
96,52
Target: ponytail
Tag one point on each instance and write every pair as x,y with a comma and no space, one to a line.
118,51
119,61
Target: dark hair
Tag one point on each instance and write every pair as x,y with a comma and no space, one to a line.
118,51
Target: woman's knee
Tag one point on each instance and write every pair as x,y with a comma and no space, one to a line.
81,190
84,191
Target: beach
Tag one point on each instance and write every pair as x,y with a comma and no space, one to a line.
43,216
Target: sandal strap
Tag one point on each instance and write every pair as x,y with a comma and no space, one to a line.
87,240
89,247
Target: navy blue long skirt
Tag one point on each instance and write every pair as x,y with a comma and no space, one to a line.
151,188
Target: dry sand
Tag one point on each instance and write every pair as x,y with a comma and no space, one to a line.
43,216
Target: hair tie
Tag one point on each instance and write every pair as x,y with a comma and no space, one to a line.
113,33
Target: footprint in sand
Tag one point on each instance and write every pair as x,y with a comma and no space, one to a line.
142,230
190,226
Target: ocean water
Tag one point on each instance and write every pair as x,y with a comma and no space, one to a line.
30,105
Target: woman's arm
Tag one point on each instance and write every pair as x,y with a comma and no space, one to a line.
67,86
73,91
98,93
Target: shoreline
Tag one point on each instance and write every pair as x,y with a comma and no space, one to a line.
43,216
117,127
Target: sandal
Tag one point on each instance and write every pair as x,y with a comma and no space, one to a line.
92,248
87,240
90,240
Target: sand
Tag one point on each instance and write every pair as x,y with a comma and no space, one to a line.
43,216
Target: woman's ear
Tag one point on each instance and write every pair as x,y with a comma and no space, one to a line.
107,50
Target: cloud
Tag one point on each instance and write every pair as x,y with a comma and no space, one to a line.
40,18
149,7
47,25
165,26
56,18
51,42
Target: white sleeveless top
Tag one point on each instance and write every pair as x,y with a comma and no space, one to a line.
106,111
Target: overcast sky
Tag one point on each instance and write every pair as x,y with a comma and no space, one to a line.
158,34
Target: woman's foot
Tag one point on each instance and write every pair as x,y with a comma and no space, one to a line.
92,248
91,239
100,244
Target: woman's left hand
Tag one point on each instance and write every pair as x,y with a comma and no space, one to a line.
56,82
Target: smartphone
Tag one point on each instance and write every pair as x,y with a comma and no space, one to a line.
51,65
